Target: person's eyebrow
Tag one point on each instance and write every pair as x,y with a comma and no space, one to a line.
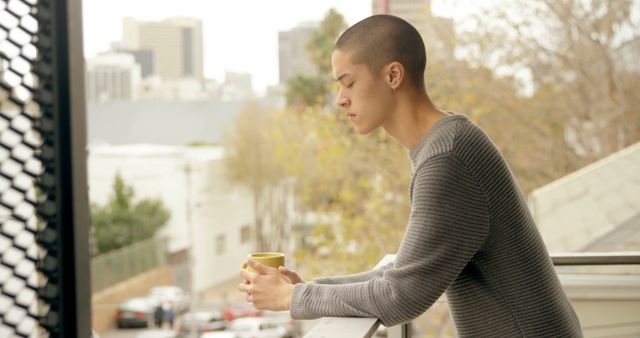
342,76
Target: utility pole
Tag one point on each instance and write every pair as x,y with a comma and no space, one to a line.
191,259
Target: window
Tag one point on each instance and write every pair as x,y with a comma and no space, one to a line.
220,245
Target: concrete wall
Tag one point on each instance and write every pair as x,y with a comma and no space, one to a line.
105,303
609,318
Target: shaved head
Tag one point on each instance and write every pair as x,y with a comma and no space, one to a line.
380,39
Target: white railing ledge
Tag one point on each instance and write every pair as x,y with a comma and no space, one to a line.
344,327
348,327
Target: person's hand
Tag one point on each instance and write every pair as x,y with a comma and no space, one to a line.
268,289
292,275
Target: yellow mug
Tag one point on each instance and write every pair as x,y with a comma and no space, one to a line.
272,259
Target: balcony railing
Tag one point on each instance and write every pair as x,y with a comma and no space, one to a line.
346,327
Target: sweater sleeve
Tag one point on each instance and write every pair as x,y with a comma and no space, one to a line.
448,224
355,278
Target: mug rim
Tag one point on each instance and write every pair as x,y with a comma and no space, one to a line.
266,254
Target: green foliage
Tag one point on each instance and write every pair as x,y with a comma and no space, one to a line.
353,187
250,145
310,91
200,144
320,46
578,56
249,162
306,91
248,149
122,222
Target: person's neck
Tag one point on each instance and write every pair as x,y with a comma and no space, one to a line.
414,116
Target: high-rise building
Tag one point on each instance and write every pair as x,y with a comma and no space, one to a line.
176,44
146,59
112,77
437,32
414,11
292,50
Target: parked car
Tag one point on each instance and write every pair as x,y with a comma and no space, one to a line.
239,309
201,322
157,333
174,295
135,312
256,327
219,334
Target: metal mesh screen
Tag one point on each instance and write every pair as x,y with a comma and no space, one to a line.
28,266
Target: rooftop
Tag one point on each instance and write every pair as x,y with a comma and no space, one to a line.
175,123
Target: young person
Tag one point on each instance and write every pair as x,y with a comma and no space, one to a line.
470,234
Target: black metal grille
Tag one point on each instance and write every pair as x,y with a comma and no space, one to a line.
29,264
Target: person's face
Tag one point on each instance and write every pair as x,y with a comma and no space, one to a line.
365,96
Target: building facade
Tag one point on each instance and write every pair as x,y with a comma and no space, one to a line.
176,44
112,77
210,230
236,86
292,52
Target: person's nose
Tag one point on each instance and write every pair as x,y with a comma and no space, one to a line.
342,101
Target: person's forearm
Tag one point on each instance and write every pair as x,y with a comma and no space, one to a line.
378,298
355,278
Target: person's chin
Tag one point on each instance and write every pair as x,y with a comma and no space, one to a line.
363,130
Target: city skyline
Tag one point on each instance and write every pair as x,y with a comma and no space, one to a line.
253,49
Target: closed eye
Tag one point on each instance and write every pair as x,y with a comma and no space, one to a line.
351,85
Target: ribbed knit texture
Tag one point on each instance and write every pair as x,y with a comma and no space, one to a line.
470,234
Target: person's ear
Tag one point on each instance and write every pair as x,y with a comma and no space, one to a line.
394,74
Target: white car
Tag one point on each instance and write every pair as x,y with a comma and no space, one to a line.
221,334
256,327
157,334
173,295
200,322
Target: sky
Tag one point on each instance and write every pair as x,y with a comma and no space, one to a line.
239,35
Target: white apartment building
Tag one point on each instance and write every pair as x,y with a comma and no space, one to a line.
211,219
112,77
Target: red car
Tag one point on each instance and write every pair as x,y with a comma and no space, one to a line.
239,309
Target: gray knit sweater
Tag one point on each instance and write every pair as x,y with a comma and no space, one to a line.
470,235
